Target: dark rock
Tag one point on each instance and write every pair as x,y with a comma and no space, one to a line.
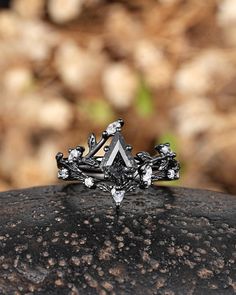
70,240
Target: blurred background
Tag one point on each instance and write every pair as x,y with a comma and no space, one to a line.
69,67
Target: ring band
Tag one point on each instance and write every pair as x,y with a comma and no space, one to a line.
117,172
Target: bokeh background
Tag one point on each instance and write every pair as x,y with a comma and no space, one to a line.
69,67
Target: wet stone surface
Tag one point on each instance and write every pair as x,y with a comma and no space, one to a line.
70,240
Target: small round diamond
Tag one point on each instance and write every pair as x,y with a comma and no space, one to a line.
171,174
165,149
63,173
89,182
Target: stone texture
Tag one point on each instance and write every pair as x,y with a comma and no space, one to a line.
67,239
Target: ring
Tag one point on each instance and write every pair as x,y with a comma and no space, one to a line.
117,171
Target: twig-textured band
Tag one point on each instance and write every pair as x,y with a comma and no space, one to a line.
117,171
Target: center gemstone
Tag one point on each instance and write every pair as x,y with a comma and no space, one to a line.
118,153
118,166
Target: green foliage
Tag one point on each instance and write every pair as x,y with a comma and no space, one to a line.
144,101
98,110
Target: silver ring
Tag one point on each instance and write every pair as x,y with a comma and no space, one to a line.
117,171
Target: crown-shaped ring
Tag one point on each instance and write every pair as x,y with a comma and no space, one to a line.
117,171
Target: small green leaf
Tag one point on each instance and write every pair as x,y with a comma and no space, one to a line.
144,101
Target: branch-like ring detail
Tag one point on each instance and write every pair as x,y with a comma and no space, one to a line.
117,172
